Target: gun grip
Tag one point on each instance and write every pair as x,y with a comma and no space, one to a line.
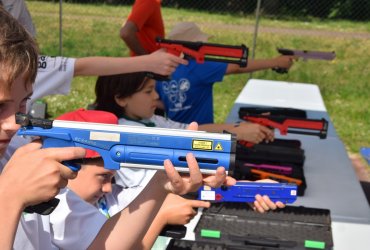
74,165
158,77
280,70
44,208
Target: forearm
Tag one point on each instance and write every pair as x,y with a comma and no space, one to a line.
128,35
154,230
215,128
126,230
100,66
10,212
253,65
134,44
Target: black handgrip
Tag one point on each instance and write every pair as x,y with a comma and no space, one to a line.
280,70
174,231
44,208
158,77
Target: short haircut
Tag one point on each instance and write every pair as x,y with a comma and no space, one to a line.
18,52
107,88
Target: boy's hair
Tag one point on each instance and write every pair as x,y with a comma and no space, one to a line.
120,86
18,52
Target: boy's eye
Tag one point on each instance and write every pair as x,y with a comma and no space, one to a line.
106,177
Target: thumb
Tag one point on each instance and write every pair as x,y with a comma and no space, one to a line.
193,126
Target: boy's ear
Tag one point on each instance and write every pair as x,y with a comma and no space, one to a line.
122,102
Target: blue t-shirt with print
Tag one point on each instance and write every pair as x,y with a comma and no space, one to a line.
188,95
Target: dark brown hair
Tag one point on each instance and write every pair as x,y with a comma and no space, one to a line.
18,52
120,86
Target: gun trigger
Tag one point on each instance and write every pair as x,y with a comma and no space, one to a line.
74,165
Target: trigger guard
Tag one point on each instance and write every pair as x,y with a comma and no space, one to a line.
73,165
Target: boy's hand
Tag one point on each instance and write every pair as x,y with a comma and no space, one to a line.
263,203
253,132
178,184
35,175
177,210
163,63
284,61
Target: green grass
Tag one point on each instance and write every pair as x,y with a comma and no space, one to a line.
90,30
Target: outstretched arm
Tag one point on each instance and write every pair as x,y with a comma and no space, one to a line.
159,62
261,64
245,131
174,211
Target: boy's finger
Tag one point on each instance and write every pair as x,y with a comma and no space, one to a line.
64,154
174,177
197,203
193,126
195,174
67,173
29,147
180,60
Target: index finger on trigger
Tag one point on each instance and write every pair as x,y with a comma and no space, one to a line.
64,154
67,173
180,60
198,203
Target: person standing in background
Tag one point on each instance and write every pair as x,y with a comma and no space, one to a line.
143,25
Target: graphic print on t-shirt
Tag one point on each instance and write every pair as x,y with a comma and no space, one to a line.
176,93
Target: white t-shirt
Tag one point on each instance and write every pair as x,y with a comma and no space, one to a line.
74,223
54,76
18,9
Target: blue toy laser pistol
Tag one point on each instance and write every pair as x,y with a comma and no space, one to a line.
246,192
130,146
135,147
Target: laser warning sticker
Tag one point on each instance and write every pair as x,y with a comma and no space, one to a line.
219,147
202,145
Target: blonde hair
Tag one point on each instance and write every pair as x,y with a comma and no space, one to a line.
18,52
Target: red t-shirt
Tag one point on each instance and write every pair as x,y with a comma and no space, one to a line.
147,16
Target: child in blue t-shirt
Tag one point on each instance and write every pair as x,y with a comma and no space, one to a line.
188,95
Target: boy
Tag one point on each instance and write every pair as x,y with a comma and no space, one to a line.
32,175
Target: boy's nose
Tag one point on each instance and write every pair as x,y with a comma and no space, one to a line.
8,124
107,187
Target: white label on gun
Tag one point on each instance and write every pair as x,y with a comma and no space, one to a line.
208,195
102,136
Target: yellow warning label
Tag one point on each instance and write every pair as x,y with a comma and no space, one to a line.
202,145
219,147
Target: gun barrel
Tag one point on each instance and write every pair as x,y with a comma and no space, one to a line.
140,147
206,51
309,54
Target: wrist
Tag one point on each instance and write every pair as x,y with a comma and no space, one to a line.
8,199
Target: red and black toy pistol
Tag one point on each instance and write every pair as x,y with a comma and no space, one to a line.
296,125
201,51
